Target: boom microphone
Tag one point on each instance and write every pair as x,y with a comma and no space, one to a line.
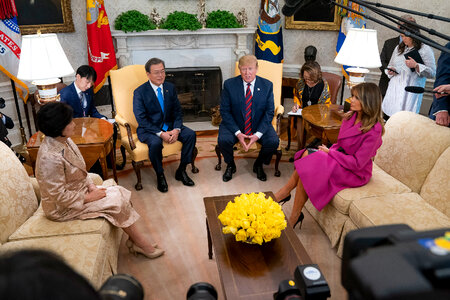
420,90
293,6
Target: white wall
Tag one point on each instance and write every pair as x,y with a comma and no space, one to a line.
294,40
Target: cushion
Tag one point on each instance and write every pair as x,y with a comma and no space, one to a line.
408,208
87,254
411,146
380,184
17,198
436,188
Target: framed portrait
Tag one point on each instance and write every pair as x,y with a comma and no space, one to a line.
48,16
316,15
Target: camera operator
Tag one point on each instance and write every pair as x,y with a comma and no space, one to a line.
5,124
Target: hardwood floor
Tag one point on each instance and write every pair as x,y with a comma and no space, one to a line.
177,222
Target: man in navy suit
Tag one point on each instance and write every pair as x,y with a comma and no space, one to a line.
158,113
247,111
441,102
79,95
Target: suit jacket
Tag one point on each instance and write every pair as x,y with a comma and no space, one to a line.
385,56
442,77
325,174
232,105
149,114
69,95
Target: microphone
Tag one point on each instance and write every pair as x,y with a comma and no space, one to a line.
420,90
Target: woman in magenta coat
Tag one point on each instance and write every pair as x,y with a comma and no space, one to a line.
348,163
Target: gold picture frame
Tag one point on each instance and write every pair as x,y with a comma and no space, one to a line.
31,16
296,22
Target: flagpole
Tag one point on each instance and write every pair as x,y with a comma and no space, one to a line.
22,148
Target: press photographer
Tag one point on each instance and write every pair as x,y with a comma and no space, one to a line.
5,124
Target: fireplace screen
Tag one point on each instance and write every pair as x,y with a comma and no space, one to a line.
198,90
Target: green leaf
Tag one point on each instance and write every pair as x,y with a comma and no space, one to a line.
221,19
179,20
133,20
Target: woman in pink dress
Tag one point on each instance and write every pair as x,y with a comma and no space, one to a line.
68,193
348,163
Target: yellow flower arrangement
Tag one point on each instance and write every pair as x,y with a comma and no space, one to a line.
253,218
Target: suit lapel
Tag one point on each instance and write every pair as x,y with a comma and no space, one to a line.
256,92
154,97
166,101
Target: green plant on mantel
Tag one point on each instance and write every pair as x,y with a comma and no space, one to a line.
221,19
133,20
180,20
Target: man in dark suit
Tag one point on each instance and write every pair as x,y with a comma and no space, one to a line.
247,111
441,102
158,113
79,95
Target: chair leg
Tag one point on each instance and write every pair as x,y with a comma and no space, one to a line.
219,158
124,158
194,156
289,133
137,168
277,162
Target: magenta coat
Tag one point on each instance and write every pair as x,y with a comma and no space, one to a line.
325,174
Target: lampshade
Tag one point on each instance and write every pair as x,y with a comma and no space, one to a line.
360,49
42,58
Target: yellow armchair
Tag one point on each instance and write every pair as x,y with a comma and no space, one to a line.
273,72
123,82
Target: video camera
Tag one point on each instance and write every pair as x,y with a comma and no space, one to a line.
121,287
396,262
2,103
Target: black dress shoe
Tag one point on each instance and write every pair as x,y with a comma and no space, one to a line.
258,169
162,183
231,168
182,176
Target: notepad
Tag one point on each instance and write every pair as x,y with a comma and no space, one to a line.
298,113
414,54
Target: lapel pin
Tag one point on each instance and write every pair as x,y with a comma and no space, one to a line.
258,89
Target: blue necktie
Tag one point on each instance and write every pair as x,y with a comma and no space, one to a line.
161,103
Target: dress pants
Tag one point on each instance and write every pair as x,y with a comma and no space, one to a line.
269,144
155,145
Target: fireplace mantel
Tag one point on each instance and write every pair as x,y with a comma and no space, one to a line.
204,47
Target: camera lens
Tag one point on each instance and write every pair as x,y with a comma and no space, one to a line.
122,287
201,291
2,103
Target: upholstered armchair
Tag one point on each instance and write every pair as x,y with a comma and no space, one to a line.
123,82
274,73
334,82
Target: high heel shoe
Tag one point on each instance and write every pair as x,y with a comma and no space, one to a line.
133,249
283,201
130,243
299,220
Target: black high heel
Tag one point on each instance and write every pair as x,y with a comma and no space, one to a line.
283,201
300,219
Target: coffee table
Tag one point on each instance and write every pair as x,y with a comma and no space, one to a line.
251,271
94,138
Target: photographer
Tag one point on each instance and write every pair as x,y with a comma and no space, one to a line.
5,123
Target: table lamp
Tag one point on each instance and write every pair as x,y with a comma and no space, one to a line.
360,51
43,61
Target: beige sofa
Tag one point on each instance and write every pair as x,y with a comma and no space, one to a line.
410,183
91,247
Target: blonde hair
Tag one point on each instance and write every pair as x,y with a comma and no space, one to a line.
370,97
248,60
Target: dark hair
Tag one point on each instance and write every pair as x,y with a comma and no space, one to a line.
39,274
153,61
411,29
87,72
53,117
314,70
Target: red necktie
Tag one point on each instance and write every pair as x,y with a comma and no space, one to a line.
248,111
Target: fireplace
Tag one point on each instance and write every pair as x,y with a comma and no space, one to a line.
198,90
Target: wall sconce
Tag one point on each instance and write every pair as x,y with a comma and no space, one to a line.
360,50
43,61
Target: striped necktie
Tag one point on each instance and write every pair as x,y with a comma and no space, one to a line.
248,110
83,103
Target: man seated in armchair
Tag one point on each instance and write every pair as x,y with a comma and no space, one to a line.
158,113
247,109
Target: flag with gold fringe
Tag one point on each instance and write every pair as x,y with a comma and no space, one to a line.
100,45
269,35
349,20
10,43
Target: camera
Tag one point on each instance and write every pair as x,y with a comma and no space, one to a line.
396,262
121,287
201,291
309,284
2,103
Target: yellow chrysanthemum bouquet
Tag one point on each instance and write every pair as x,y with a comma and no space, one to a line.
253,218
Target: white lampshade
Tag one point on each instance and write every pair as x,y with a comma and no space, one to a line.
360,49
42,58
